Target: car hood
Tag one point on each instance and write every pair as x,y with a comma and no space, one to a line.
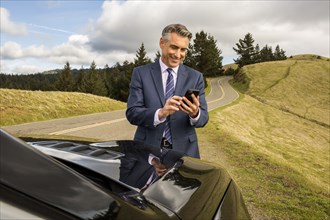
36,175
191,188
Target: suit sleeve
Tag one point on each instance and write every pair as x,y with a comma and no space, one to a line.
204,116
137,113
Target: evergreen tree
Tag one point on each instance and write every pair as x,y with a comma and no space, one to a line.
257,58
91,81
266,54
157,55
119,84
245,51
189,60
141,57
108,77
65,81
96,81
204,55
81,80
279,54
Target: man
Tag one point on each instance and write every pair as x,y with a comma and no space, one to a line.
168,122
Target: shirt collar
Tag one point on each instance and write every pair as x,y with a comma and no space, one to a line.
163,67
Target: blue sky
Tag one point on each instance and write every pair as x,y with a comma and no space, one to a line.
60,18
43,35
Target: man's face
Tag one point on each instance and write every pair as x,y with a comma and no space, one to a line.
174,49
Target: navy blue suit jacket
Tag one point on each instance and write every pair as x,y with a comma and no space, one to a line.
147,95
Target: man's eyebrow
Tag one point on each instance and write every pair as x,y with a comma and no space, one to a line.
175,46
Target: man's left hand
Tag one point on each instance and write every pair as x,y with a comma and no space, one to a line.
191,108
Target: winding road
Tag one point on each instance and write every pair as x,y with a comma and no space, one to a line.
113,125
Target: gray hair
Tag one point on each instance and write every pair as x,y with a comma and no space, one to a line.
176,28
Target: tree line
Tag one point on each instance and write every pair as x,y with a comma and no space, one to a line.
250,54
113,82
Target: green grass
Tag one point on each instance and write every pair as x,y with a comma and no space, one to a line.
21,106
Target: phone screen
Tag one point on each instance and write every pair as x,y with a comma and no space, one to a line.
191,91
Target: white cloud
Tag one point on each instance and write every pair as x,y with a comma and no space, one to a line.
297,26
78,39
125,25
24,66
36,51
11,50
8,26
82,55
28,69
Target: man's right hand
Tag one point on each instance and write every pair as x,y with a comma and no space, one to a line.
171,106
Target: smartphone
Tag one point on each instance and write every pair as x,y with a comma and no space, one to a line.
191,91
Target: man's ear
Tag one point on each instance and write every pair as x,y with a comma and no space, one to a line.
161,42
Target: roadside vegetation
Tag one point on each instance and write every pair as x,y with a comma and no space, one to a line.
21,106
275,139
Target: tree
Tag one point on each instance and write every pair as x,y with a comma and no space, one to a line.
204,55
266,54
141,57
245,51
81,81
257,58
65,81
189,60
279,54
157,55
91,81
120,80
96,81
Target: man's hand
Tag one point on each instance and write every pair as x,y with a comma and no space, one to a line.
159,167
172,105
191,108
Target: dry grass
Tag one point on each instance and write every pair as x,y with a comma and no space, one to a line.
274,143
277,158
20,106
297,86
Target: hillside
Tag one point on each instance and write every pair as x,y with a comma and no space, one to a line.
21,106
275,139
299,85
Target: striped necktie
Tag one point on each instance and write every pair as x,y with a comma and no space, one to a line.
169,93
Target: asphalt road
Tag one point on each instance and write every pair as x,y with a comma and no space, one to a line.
113,125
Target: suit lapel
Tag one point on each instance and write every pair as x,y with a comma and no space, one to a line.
181,80
158,81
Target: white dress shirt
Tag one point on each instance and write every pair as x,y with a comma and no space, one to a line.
163,69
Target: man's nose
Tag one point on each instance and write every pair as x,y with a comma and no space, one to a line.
177,53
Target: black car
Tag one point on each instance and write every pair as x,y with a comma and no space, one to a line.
52,179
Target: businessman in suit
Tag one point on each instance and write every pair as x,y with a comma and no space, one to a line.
153,112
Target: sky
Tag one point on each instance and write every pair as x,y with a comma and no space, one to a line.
43,35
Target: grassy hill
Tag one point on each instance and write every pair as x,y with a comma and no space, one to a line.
21,106
275,139
299,86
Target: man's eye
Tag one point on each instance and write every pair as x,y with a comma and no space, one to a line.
184,50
